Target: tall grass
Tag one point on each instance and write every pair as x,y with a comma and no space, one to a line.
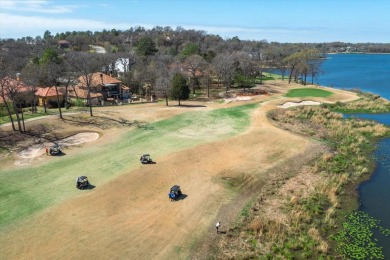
307,221
368,103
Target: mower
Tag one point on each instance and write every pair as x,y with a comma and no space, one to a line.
55,149
145,159
82,182
175,192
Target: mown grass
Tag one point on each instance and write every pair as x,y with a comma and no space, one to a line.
27,190
308,92
311,219
4,118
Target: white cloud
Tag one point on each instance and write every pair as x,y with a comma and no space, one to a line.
37,6
16,26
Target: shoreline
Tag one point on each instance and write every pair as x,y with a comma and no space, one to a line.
334,53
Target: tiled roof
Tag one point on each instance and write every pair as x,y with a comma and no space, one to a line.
49,92
82,93
99,78
20,85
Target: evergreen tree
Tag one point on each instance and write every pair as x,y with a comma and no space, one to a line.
179,90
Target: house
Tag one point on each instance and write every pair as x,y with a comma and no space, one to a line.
104,84
78,94
47,96
63,44
23,93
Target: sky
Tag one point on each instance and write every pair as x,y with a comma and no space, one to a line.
291,21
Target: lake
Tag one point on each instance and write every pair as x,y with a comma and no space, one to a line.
370,73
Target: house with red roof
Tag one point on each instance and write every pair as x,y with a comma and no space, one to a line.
102,88
47,96
18,89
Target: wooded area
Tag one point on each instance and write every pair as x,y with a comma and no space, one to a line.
148,63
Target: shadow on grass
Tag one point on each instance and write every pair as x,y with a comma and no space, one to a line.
182,197
190,106
89,187
58,154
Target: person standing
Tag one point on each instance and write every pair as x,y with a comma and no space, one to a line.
217,226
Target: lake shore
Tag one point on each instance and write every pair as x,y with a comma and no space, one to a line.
317,213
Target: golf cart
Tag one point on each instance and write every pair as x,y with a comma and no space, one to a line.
82,182
145,159
175,192
55,149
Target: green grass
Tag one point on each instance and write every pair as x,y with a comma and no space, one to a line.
27,190
308,92
4,118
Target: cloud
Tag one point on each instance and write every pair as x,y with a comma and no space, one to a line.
17,26
37,6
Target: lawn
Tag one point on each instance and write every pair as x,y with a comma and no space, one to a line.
27,190
308,92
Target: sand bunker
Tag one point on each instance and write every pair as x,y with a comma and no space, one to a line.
239,98
37,150
302,103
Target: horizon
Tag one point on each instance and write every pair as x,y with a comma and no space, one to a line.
299,21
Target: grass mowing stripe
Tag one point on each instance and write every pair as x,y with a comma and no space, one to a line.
25,191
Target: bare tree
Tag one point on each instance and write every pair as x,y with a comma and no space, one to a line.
248,68
206,78
292,63
4,85
85,64
195,65
224,66
163,80
12,89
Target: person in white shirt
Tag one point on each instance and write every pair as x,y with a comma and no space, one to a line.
217,226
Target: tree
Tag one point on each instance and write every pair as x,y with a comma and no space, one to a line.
146,46
303,62
4,85
195,64
292,62
206,78
11,88
190,49
224,66
4,82
86,64
179,90
163,77
247,68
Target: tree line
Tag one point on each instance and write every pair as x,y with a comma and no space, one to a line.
163,61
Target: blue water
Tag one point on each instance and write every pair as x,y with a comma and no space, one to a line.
370,73
367,72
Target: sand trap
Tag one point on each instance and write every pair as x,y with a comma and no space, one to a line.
37,150
302,103
240,98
